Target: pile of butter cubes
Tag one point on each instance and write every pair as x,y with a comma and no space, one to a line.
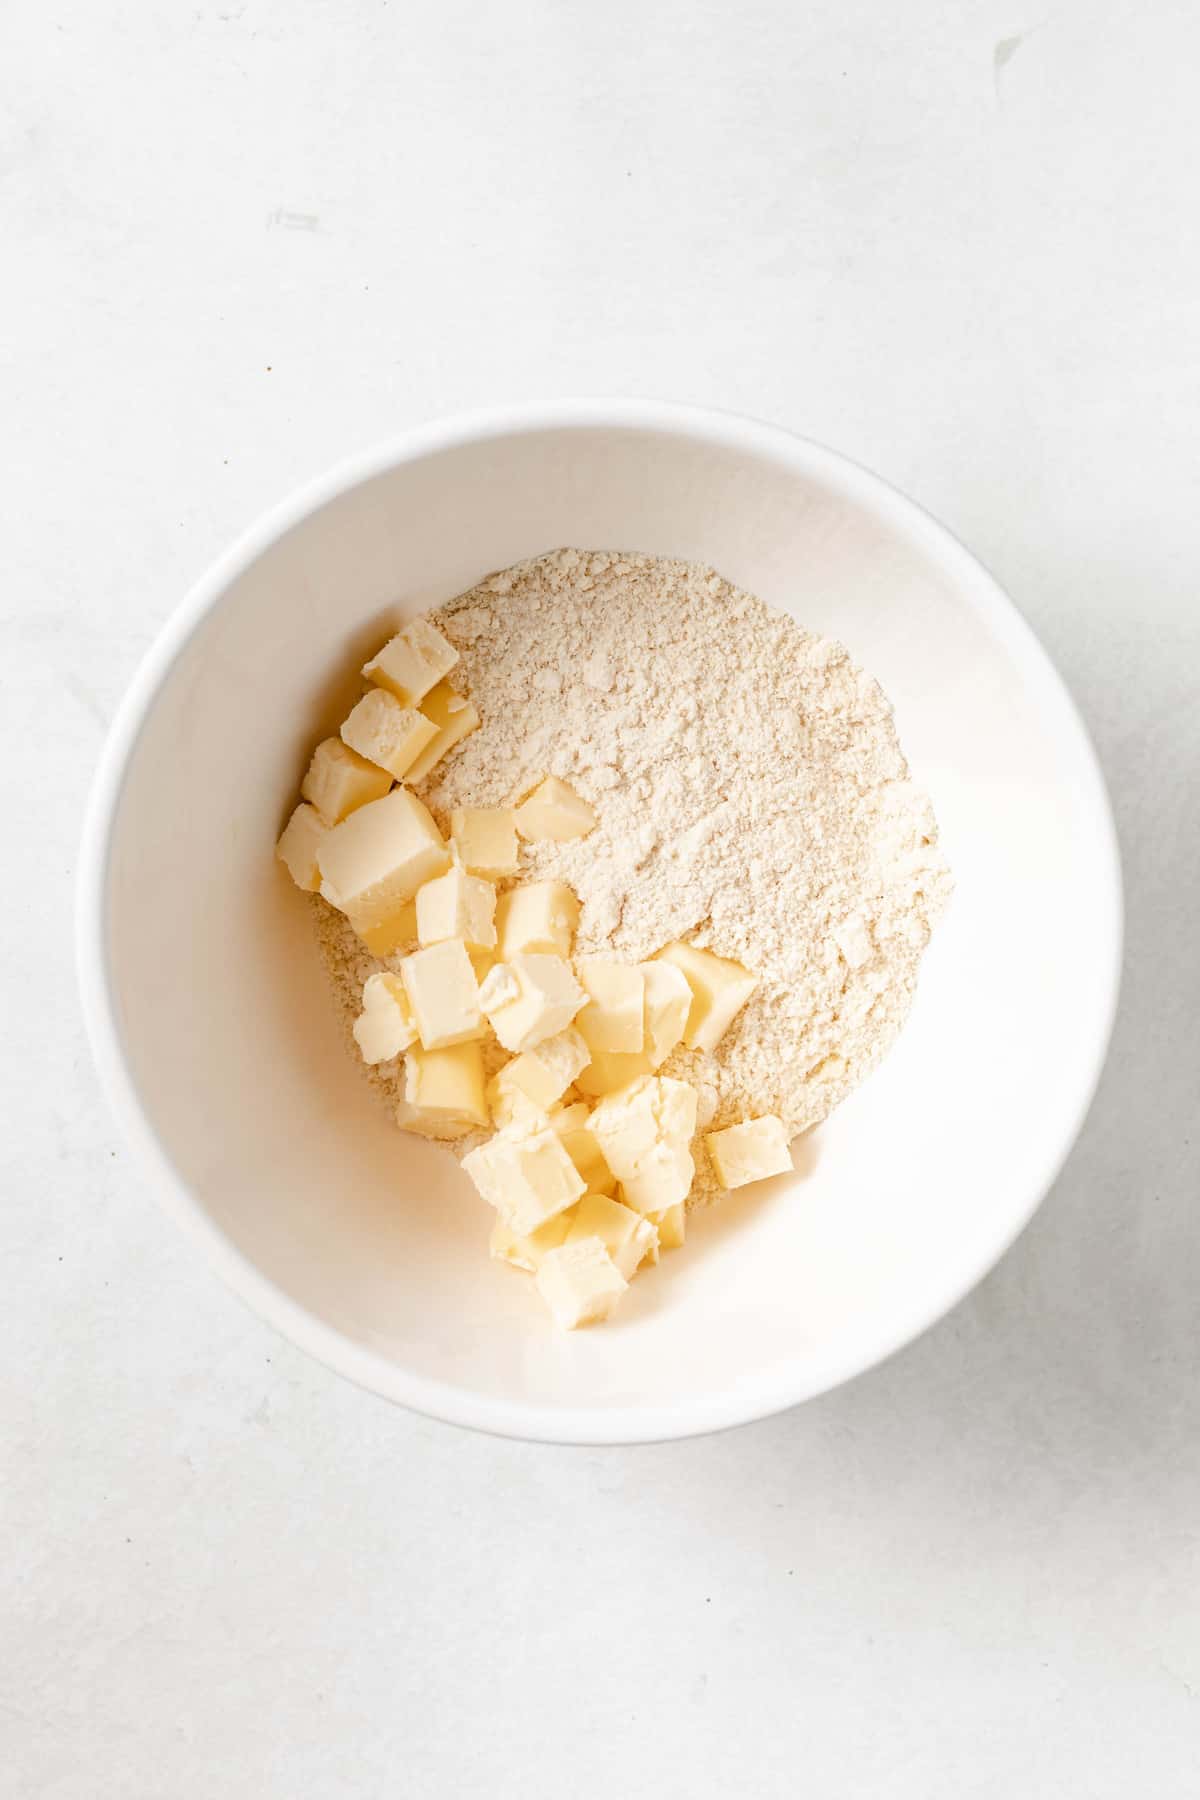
590,1163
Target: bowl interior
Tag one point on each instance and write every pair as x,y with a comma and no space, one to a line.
369,1245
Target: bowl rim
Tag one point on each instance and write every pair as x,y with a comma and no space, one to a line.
781,1385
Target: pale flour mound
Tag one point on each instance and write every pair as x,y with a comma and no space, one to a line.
751,794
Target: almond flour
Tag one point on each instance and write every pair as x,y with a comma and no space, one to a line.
751,796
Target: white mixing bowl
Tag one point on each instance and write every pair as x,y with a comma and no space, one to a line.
215,1034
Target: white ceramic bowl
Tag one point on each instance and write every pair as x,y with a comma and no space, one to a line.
214,1032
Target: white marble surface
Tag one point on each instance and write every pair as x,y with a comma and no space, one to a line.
243,237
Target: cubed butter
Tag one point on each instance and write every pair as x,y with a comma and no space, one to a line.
298,845
377,858
537,1078
486,840
611,1069
339,781
443,1092
668,1003
750,1151
538,916
527,1176
386,732
645,1134
530,999
554,811
612,1020
443,994
385,1027
457,905
412,662
581,1145
580,1283
672,1226
396,933
527,1252
452,717
720,988
625,1234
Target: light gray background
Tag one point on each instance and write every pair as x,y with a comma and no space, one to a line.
241,238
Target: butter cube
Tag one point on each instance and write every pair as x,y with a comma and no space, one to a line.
377,858
645,1133
527,1252
483,962
339,781
580,1283
387,733
412,662
298,845
581,1145
672,1226
562,1119
527,1176
612,1069
750,1151
720,988
443,994
540,916
612,1020
626,1235
554,811
668,1003
457,905
443,1092
530,999
397,933
534,1080
452,718
385,1026
486,840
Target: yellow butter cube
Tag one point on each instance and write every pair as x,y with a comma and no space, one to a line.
298,845
530,999
668,1003
412,662
386,732
452,717
539,916
582,1146
385,1027
625,1234
486,840
443,1092
537,1078
443,994
339,781
527,1176
750,1151
672,1226
554,811
377,858
645,1134
612,1020
580,1283
720,988
399,932
457,905
527,1252
610,1070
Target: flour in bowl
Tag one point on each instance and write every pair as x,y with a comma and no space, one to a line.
751,798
